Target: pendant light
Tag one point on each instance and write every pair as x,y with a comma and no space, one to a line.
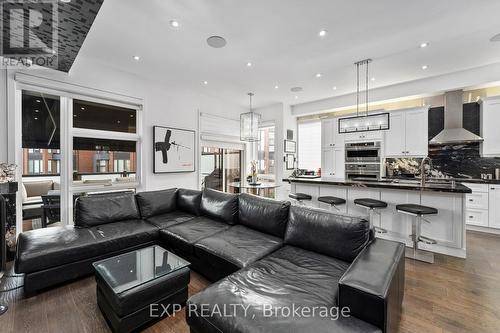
249,124
363,121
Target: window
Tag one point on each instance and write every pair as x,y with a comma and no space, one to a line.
102,142
103,117
95,157
309,145
40,133
265,154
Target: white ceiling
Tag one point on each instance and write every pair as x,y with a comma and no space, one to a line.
280,38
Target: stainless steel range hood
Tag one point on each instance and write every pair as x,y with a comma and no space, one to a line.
454,132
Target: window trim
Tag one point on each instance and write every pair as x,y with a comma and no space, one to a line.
17,82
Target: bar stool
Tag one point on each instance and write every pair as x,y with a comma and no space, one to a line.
418,212
300,197
372,205
332,201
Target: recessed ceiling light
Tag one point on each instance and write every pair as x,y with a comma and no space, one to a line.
216,42
322,33
205,82
373,79
318,75
249,64
495,38
296,97
424,67
174,24
276,87
424,44
334,88
137,58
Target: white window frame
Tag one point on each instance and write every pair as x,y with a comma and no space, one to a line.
17,82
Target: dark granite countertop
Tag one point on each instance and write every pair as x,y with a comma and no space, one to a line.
389,184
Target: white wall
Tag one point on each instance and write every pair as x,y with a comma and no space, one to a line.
164,104
281,115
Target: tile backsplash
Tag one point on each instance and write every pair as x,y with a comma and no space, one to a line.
449,161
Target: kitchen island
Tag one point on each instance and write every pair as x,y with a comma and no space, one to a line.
447,227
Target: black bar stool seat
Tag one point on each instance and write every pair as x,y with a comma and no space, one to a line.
300,196
416,209
331,200
370,203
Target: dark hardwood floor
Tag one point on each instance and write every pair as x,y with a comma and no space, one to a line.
453,295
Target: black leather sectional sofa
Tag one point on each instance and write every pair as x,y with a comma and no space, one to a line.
265,255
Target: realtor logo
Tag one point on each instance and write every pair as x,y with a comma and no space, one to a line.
29,33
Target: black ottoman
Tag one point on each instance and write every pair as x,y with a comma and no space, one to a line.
137,288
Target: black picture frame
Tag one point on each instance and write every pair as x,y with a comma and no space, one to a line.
187,141
290,146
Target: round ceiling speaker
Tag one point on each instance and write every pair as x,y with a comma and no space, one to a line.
216,42
495,38
296,89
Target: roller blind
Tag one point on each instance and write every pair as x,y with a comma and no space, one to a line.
309,145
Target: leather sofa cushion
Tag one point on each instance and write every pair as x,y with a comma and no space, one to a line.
220,206
266,215
106,208
336,235
157,202
169,219
189,201
286,277
238,245
51,247
183,236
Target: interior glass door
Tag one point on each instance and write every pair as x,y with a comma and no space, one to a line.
220,169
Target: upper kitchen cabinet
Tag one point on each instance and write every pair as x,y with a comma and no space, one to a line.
330,137
408,134
364,136
490,118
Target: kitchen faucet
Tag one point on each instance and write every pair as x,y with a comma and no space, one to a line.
422,169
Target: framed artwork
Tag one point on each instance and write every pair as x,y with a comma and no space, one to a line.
290,161
290,146
173,150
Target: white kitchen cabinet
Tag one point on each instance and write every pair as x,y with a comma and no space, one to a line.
408,134
490,118
330,137
332,162
363,136
494,206
416,132
395,141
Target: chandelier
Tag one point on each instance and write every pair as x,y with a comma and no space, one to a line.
363,121
249,124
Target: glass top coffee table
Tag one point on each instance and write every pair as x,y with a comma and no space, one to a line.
132,269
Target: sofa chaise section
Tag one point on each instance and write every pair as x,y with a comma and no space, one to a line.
321,249
53,255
